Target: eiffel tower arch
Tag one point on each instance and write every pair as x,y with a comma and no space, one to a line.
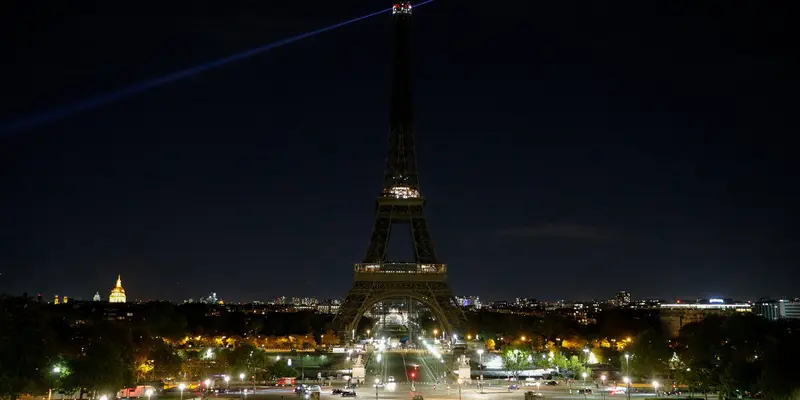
400,203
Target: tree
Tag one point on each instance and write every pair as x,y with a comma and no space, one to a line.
107,362
25,349
330,338
515,360
490,344
571,366
167,362
649,355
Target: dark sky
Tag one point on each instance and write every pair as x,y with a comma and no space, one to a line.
567,149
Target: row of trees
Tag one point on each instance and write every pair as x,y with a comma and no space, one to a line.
42,348
516,360
288,342
733,356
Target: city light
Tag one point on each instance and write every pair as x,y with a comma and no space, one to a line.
241,376
57,369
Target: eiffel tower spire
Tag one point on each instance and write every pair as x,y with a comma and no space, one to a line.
401,164
400,204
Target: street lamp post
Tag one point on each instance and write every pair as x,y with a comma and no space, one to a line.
655,388
459,388
181,387
583,374
627,381
350,362
227,382
207,382
480,363
627,364
241,377
56,370
148,393
603,389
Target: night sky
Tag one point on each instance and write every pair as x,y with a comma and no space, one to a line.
568,149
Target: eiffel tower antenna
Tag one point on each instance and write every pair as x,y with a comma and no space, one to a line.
400,203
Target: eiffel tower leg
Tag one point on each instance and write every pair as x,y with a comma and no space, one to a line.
436,296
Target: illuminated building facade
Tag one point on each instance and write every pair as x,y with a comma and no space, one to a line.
622,299
675,316
117,293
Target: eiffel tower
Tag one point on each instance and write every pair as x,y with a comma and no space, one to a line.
400,202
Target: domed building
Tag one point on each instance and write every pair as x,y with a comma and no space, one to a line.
117,293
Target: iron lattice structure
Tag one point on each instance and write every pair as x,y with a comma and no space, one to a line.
400,203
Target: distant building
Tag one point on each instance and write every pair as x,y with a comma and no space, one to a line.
675,316
117,293
211,299
768,309
646,304
622,299
469,301
56,300
329,306
96,297
789,308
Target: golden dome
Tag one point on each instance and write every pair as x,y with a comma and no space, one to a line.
117,293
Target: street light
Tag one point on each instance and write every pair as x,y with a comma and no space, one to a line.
459,388
241,377
655,387
603,389
181,387
148,393
103,397
227,382
57,369
627,385
583,374
480,369
208,383
627,363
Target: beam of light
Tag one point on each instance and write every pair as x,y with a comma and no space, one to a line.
45,117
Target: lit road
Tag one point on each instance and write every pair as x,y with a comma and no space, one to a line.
390,364
403,391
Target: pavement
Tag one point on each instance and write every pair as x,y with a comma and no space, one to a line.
403,391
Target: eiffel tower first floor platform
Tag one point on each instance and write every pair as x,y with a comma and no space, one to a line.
425,283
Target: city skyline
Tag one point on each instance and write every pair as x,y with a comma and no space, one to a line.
199,297
649,156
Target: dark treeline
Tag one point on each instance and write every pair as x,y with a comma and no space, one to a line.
101,347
